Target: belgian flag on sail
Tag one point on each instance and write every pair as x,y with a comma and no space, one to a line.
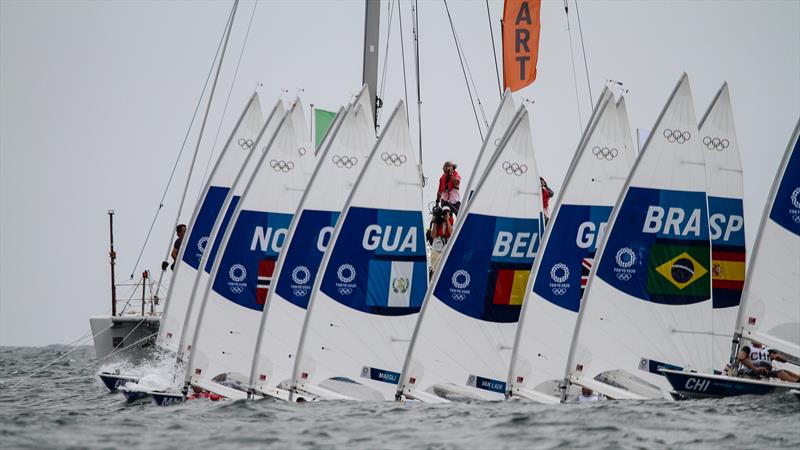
505,291
678,272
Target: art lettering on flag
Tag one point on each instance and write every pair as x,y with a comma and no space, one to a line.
521,26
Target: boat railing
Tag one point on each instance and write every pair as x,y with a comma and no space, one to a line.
141,297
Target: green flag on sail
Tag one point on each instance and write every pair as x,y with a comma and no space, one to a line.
322,122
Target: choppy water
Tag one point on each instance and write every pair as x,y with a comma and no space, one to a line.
66,406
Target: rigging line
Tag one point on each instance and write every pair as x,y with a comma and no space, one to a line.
583,50
76,347
464,71
230,91
494,50
472,80
385,60
574,76
415,30
403,55
180,153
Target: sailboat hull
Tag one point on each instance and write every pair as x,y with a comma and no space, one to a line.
114,381
700,385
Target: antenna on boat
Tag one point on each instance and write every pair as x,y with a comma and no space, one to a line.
369,74
113,256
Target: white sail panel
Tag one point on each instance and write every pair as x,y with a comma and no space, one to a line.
770,309
242,273
647,303
500,123
352,333
726,220
342,157
216,197
462,343
601,164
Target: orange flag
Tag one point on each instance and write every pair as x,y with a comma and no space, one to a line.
521,26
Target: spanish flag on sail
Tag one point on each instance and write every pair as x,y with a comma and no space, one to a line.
727,275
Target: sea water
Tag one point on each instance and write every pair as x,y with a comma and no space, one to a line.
66,406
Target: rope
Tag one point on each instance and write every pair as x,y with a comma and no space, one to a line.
494,50
415,30
574,76
113,353
230,91
583,50
403,55
463,69
385,59
177,160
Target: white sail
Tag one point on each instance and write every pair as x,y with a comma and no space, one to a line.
462,343
726,220
242,272
217,197
342,156
647,302
500,123
372,279
770,308
601,164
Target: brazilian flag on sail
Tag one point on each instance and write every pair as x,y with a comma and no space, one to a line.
678,272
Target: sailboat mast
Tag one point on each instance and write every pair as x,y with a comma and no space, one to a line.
372,22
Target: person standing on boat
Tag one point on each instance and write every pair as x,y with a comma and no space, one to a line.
547,194
448,192
440,231
180,230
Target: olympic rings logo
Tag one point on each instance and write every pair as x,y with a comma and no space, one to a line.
201,244
345,291
299,293
245,144
605,153
237,289
346,273
301,275
796,218
344,161
302,151
796,197
393,159
559,291
678,136
716,143
625,257
624,276
562,269
460,279
459,297
281,166
514,168
237,273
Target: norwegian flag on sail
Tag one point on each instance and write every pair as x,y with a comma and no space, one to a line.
265,269
586,268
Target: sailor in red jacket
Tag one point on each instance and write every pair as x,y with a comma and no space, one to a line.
448,192
547,194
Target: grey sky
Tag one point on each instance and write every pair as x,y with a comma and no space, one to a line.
95,98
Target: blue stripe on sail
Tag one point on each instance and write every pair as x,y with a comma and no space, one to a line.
256,235
575,234
359,270
786,207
